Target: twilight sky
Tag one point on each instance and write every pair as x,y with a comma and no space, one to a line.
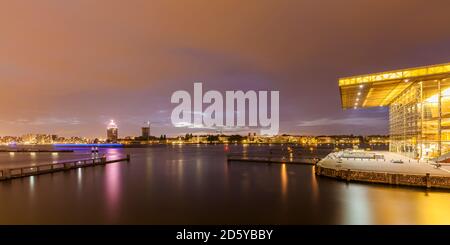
67,67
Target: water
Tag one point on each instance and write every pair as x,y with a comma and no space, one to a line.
193,184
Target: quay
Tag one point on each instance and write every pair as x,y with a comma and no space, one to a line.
384,168
262,158
11,173
35,151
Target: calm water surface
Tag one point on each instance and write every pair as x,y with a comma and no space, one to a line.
195,185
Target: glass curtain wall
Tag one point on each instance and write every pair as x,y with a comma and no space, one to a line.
420,120
404,115
445,116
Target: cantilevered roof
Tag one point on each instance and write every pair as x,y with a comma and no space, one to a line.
379,89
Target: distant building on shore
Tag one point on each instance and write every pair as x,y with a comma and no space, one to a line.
146,132
377,139
112,132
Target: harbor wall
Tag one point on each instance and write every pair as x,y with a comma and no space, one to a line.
426,180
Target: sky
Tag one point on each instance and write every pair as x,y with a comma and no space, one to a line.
68,67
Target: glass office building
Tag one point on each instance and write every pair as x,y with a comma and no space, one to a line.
419,106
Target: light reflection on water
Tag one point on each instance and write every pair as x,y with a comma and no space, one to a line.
436,212
314,186
31,179
358,207
113,153
198,172
113,190
79,178
284,181
196,185
180,172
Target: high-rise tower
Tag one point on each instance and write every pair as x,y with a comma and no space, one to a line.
146,131
112,132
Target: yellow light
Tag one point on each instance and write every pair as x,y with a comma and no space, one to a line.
284,179
435,98
398,74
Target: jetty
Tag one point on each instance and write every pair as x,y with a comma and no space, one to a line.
34,151
384,168
20,172
272,158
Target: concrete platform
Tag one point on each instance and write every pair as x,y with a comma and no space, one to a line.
409,166
383,167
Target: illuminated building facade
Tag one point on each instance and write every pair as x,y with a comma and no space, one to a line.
419,106
112,132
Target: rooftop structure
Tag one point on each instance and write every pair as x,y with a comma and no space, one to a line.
380,89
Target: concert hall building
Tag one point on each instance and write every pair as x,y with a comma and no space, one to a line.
419,107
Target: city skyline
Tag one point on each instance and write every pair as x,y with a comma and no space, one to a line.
144,132
250,138
130,58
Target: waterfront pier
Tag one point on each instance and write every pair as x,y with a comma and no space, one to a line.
34,151
384,168
271,158
20,172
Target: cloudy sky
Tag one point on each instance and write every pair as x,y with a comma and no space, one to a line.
67,67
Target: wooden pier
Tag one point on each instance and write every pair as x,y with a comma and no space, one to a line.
270,158
34,151
11,173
